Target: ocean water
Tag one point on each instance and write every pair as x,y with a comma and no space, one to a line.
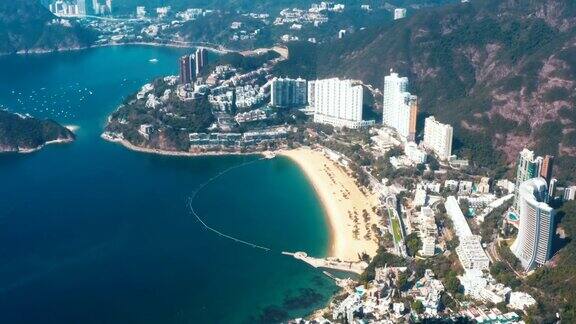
91,232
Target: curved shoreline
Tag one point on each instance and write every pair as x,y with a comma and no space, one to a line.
147,44
38,148
135,148
339,196
337,191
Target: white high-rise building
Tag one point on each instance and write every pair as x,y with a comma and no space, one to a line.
140,12
201,59
63,8
399,13
81,7
338,103
469,251
400,108
438,137
533,246
569,193
101,7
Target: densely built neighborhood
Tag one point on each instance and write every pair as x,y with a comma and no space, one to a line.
431,205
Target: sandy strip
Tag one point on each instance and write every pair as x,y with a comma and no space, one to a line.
342,200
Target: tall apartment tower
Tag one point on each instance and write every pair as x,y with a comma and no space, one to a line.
552,184
533,246
201,57
412,118
438,138
311,94
338,103
187,69
95,7
286,92
81,7
400,108
527,167
546,168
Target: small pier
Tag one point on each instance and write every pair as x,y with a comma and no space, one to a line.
330,263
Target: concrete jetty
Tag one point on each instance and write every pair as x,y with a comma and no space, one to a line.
330,263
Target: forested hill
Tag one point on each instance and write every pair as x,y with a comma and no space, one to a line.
26,25
268,6
18,133
502,72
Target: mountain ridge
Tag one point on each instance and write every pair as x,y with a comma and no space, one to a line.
501,72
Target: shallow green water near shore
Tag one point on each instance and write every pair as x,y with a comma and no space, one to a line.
93,233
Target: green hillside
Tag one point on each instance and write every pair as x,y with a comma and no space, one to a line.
128,6
501,72
23,133
26,25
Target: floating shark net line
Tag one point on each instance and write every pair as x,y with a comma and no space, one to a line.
208,227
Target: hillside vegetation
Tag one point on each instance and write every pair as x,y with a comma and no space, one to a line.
18,133
128,6
26,25
501,72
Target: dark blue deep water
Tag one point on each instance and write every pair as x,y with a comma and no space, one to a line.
93,233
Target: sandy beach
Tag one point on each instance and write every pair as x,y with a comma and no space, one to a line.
348,210
344,203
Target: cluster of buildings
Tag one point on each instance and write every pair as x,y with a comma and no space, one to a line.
252,116
477,282
79,8
377,302
63,8
298,17
151,100
155,25
485,315
249,95
534,190
102,7
252,138
481,286
314,15
470,251
229,89
399,112
181,16
192,66
427,230
428,291
331,101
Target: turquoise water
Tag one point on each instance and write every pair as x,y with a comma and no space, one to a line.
93,233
